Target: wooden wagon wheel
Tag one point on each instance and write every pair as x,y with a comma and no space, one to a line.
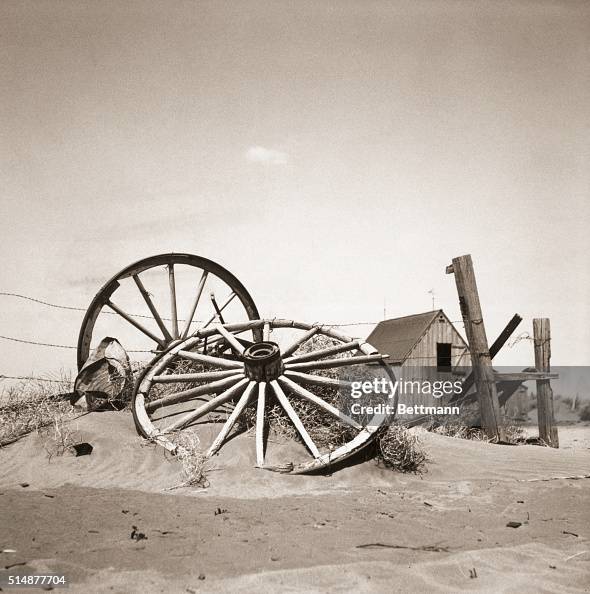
209,287
238,380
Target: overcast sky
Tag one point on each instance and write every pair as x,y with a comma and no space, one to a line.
334,155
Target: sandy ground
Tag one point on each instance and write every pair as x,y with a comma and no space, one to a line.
363,528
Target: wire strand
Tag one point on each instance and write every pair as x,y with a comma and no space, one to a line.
58,346
38,379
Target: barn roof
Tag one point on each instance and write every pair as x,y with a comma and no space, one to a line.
397,337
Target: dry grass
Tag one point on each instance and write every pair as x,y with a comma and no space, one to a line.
515,434
192,460
585,413
60,437
31,405
401,450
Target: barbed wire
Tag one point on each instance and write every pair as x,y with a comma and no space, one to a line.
47,344
522,336
73,308
112,313
58,346
39,379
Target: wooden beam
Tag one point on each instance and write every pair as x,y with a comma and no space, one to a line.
228,425
478,346
311,397
173,310
332,363
152,308
231,340
195,304
297,343
315,355
524,376
505,335
260,424
542,341
494,350
284,402
135,323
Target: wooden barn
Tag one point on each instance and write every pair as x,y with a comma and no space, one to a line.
422,346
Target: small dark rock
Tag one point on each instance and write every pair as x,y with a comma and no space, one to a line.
24,485
201,576
81,449
513,524
136,535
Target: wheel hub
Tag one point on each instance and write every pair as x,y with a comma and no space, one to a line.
263,361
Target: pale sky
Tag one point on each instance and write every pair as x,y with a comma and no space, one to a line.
334,155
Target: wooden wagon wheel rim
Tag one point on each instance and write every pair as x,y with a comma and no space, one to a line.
167,336
236,380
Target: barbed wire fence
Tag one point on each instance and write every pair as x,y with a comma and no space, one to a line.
83,310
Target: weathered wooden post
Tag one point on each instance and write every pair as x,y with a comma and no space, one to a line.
542,340
481,360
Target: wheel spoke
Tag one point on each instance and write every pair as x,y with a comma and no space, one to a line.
135,323
218,314
314,355
331,363
294,418
260,424
227,427
210,388
303,338
208,359
152,308
266,332
173,311
214,316
208,407
317,380
230,338
195,303
300,391
194,377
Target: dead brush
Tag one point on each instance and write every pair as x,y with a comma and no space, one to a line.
32,405
193,462
401,450
180,367
460,431
60,437
515,434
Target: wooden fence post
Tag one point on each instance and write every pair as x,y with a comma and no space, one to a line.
481,360
542,340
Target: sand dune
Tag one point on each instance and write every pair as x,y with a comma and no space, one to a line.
363,528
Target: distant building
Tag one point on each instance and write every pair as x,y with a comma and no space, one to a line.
422,346
518,405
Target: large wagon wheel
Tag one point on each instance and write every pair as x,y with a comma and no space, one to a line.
191,388
208,290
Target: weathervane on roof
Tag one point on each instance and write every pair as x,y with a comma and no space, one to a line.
431,292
